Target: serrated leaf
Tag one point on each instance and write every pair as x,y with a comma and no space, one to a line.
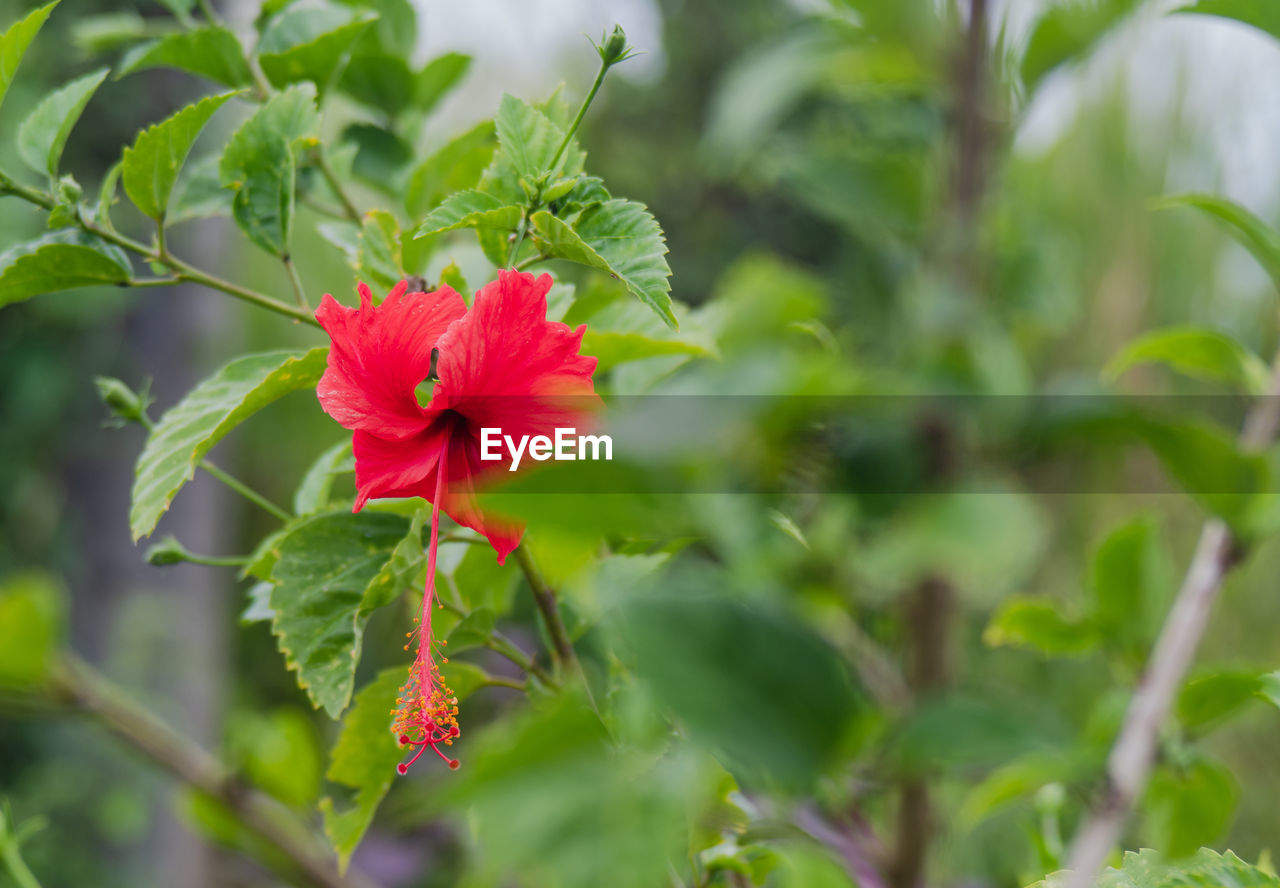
309,44
470,209
259,166
14,43
1189,806
323,566
620,237
212,52
1261,14
151,164
189,430
1250,232
313,490
528,141
60,260
437,78
455,167
1196,352
364,758
625,331
107,196
43,134
378,259
199,193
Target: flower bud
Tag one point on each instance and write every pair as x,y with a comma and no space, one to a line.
121,400
167,551
613,48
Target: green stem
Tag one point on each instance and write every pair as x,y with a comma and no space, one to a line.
582,112
153,282
348,206
11,854
206,9
532,260
78,685
245,491
183,271
299,294
218,561
561,647
520,233
495,681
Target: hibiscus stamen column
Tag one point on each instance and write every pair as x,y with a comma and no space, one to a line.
426,710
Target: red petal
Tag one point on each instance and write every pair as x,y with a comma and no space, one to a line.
380,354
387,468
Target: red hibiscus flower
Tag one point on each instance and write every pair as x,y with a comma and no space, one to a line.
499,365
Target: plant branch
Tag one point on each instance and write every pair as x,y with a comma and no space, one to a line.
545,599
182,270
81,686
299,294
554,166
1133,754
348,206
11,854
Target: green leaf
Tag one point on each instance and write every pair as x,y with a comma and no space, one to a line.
380,81
470,209
1208,465
364,758
1210,699
1039,625
95,34
621,238
1252,233
437,78
1189,807
107,196
528,139
43,135
455,167
212,52
395,32
60,260
381,156
199,193
259,166
1148,869
1067,32
463,678
309,44
378,259
474,630
725,668
1261,14
323,566
151,165
31,611
313,490
189,430
180,8
14,43
625,331
1131,578
1196,352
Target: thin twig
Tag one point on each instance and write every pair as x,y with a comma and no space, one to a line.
183,271
246,491
348,206
1133,755
80,685
545,599
299,294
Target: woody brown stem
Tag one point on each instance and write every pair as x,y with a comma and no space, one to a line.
79,685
